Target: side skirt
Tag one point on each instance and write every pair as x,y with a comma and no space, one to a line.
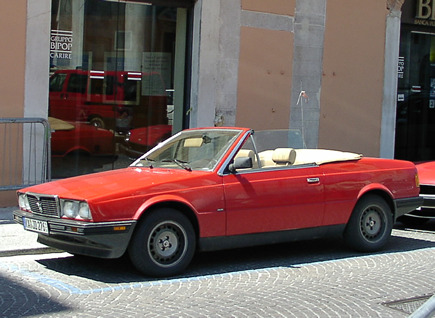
256,239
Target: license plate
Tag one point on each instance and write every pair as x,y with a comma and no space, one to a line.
35,225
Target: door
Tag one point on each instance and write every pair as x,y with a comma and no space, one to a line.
274,200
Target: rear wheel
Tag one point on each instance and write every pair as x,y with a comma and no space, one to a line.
370,224
97,122
163,244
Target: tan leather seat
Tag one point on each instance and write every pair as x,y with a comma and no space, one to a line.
284,156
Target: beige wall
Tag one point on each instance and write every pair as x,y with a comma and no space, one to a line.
265,72
265,69
12,52
12,64
353,75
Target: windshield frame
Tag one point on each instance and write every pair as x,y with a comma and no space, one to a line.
175,152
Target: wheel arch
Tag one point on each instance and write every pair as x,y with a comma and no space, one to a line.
93,117
370,223
380,191
182,207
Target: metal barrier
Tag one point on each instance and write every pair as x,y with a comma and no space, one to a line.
25,157
426,310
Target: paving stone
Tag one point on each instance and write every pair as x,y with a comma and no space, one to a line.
309,279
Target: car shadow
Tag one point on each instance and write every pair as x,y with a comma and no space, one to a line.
289,255
18,300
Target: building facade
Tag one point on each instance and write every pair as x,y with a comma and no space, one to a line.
139,70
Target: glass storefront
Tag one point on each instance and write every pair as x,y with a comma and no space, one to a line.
415,121
112,88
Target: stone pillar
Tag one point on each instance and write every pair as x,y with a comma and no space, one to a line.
216,45
309,29
389,103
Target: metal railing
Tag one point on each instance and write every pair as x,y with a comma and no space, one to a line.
25,154
426,310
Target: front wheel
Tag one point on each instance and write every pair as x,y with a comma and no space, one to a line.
163,244
370,224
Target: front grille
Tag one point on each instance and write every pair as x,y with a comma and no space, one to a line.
427,189
45,205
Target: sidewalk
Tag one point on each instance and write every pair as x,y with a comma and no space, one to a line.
15,240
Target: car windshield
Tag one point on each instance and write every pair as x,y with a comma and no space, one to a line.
190,150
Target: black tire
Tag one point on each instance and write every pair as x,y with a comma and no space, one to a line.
163,243
370,224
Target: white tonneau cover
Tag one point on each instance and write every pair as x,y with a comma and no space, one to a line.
321,156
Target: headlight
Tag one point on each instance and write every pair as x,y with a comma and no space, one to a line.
84,211
70,209
23,202
76,210
127,136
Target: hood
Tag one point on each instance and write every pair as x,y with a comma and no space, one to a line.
426,172
117,183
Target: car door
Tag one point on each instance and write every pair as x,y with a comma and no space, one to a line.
267,200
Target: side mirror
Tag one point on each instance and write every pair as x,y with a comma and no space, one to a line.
240,163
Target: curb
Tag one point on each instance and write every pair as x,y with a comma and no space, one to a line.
30,251
17,241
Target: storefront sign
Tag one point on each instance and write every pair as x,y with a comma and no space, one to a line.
401,67
425,13
61,44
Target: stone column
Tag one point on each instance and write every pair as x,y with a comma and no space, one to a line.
309,29
389,103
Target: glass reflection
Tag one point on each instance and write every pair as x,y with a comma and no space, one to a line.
111,82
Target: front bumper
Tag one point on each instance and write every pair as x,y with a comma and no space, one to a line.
427,208
406,205
102,239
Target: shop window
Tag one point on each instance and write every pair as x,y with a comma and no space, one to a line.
112,64
415,118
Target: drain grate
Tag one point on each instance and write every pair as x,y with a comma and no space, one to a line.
408,306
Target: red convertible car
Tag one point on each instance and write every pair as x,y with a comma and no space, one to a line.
218,188
70,137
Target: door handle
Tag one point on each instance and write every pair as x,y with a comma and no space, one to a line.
313,180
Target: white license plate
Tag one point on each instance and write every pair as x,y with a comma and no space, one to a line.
35,225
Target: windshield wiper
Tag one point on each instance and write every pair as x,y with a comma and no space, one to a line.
180,163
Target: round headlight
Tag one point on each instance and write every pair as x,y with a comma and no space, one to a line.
70,209
84,211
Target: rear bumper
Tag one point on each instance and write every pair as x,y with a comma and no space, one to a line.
406,205
103,239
